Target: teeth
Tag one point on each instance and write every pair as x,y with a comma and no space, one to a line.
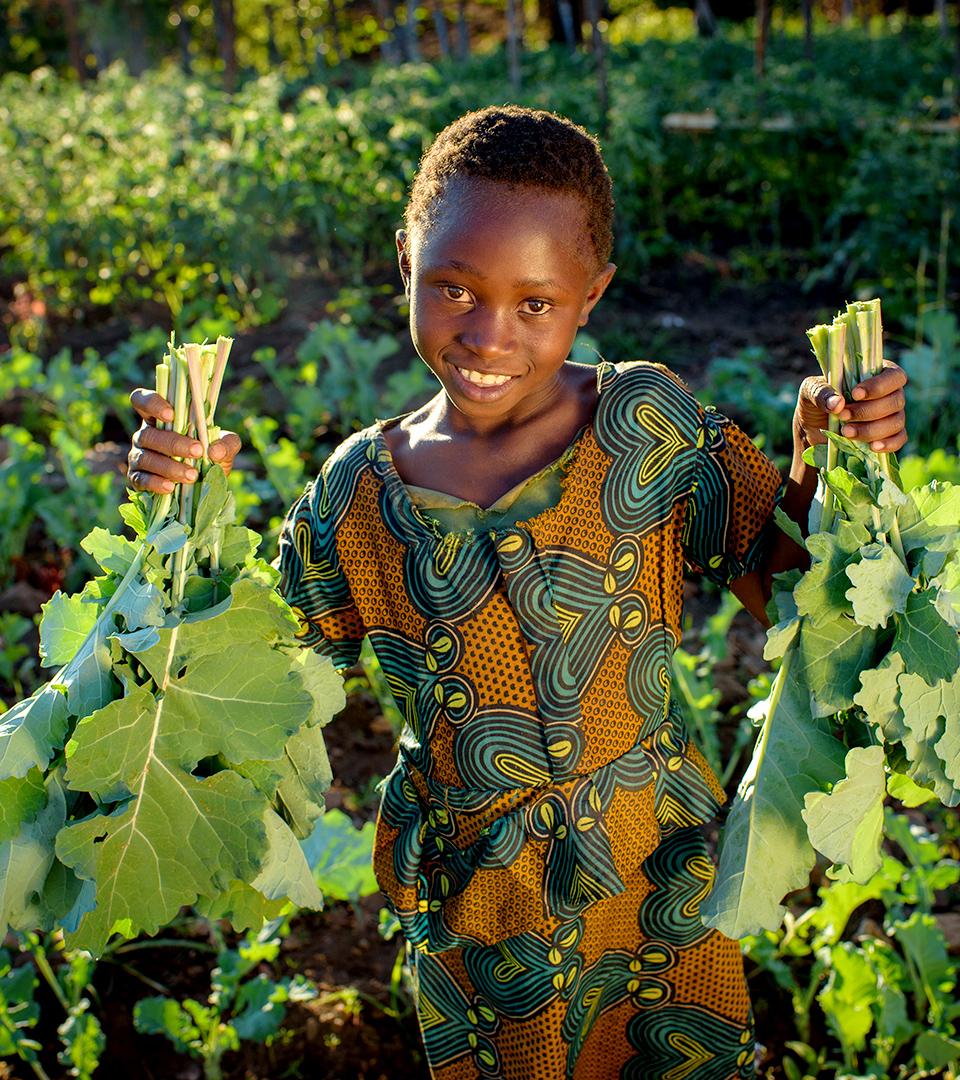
483,380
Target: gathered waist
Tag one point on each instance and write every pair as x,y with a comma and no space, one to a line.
469,866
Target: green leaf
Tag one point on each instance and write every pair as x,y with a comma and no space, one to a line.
83,1039
304,775
821,594
341,857
846,825
141,604
831,657
930,647
947,584
788,525
260,1005
933,716
923,941
907,791
879,696
931,515
849,996
838,901
284,872
164,1016
32,731
238,544
880,585
168,539
18,1011
766,852
114,553
177,838
26,858
67,620
21,799
854,496
937,1051
242,905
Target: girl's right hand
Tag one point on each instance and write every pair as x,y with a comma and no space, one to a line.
151,464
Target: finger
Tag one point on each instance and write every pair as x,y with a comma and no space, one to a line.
224,449
885,434
166,468
145,481
819,393
863,412
891,379
151,406
169,443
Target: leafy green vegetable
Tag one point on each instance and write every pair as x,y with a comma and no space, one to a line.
177,756
867,698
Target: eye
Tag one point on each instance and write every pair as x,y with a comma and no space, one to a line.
457,293
535,307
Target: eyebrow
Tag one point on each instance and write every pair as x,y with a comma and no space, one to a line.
524,283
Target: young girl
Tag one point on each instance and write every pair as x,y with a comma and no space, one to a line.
514,550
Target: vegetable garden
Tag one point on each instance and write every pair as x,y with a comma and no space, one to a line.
749,209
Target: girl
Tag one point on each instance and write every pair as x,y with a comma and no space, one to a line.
515,550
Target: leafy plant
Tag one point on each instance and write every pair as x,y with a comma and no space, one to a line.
341,857
933,368
238,1008
886,992
869,653
157,768
80,1033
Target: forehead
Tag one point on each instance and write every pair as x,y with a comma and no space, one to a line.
474,213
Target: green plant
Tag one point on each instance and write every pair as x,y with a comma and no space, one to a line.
933,367
867,684
238,1008
885,991
13,670
80,1033
341,857
144,776
740,387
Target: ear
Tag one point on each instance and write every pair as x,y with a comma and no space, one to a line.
597,289
403,257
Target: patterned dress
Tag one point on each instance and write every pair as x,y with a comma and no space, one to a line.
537,838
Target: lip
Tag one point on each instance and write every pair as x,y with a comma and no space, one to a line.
474,391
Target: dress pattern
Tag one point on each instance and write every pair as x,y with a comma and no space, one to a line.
536,839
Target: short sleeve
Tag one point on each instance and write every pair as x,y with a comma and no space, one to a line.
312,580
729,514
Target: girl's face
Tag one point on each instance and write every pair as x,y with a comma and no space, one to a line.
498,286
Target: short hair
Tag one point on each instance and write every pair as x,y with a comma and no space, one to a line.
527,147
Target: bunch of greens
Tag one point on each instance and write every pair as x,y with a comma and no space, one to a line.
177,755
867,697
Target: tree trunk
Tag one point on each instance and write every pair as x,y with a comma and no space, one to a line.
333,21
846,11
229,47
763,34
463,31
808,30
704,19
566,20
411,46
440,26
74,43
599,58
183,39
940,6
389,48
513,43
269,16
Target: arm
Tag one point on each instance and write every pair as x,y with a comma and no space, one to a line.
874,416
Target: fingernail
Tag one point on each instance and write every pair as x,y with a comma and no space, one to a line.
848,430
859,393
216,452
191,474
196,450
167,485
167,415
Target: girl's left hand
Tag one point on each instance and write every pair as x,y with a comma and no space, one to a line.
874,416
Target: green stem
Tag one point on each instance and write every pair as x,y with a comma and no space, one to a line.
43,965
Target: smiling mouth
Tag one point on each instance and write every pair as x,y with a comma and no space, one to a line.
479,379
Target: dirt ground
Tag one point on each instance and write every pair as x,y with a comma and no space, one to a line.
362,1026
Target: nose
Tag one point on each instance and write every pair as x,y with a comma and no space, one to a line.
489,333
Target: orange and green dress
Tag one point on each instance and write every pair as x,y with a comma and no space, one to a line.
538,837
